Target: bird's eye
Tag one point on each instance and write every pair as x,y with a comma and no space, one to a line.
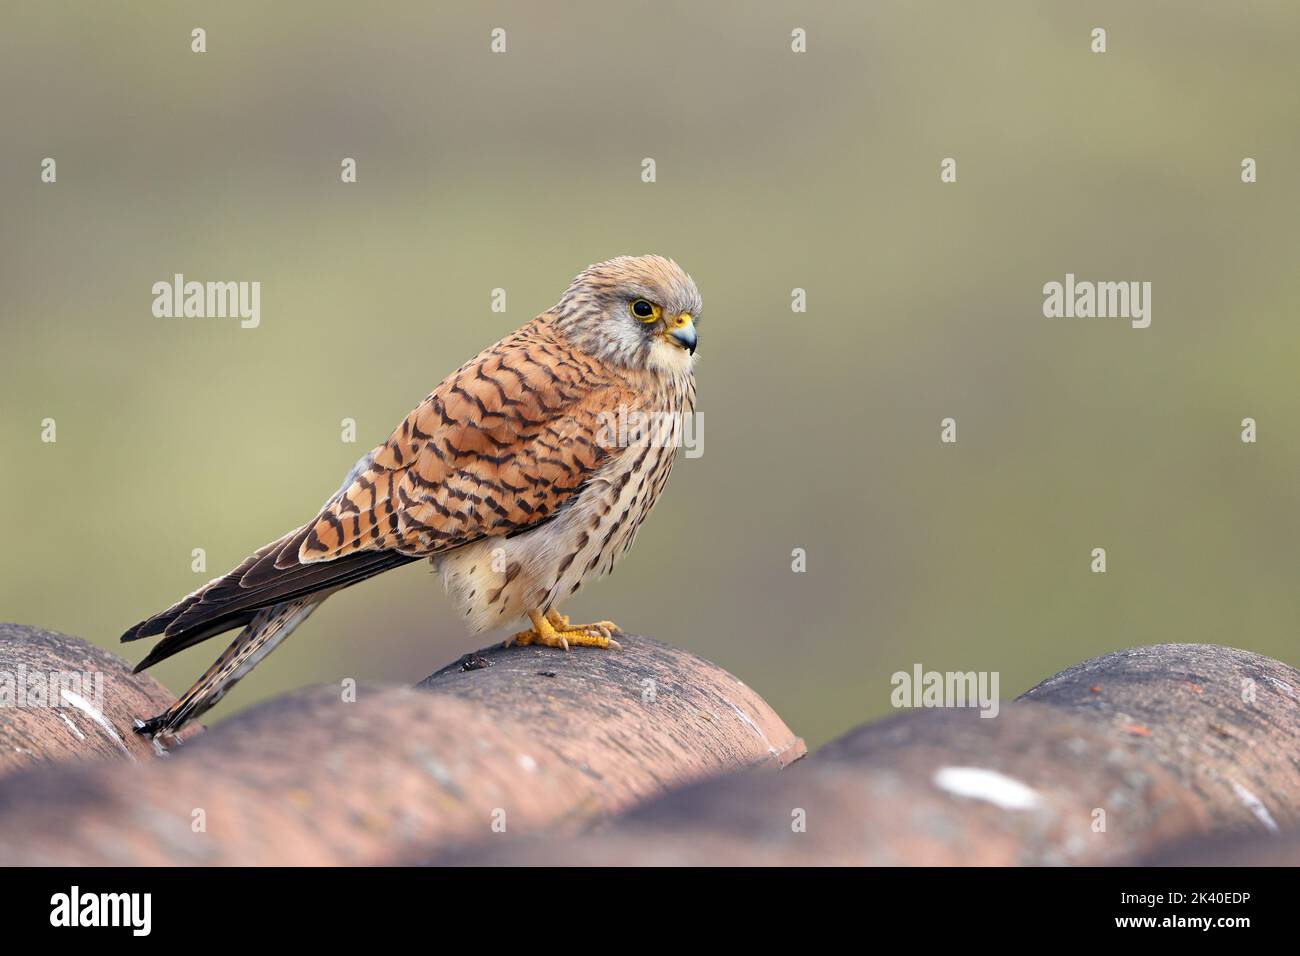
645,311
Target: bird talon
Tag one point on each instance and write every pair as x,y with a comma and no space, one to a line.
553,629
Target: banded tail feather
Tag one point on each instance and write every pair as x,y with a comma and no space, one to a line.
265,631
268,595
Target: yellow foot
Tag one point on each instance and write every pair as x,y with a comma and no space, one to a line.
554,630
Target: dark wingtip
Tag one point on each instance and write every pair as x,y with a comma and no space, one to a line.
147,628
150,659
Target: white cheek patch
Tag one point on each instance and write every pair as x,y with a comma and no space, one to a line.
668,358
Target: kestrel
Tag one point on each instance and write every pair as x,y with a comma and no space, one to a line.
525,473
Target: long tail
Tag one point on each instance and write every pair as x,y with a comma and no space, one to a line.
264,632
269,594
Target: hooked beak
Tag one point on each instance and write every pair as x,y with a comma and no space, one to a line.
681,331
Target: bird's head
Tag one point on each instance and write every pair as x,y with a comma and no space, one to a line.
634,311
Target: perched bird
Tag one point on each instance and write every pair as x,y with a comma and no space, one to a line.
526,472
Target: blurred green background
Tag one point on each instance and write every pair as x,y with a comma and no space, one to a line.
775,171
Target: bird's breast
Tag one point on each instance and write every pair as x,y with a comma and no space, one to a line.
494,582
